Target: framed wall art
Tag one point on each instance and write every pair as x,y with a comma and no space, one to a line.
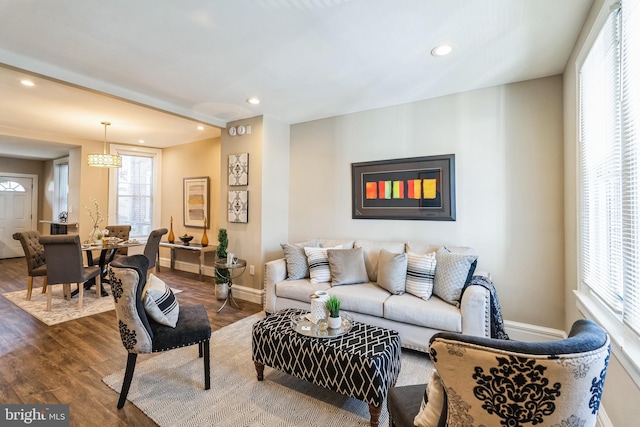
238,206
238,169
421,188
196,201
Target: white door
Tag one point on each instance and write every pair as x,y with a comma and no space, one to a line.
16,199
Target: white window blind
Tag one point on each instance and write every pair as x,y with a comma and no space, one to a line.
609,151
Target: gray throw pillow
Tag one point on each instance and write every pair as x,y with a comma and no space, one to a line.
296,259
392,271
452,272
347,266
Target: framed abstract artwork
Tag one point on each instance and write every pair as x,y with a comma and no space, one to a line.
238,169
421,188
196,201
238,206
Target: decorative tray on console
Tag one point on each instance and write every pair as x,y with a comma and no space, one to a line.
302,325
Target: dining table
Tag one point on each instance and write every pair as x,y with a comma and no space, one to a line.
108,249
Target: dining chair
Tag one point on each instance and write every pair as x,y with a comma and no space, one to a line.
140,333
34,255
65,265
121,232
153,246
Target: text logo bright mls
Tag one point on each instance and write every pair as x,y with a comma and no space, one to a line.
34,415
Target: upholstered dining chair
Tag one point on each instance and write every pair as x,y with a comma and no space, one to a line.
139,332
121,232
65,265
153,245
483,381
34,255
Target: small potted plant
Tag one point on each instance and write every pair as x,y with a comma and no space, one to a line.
333,307
222,274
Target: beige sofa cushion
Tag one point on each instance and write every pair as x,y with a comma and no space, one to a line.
372,251
434,313
364,298
299,290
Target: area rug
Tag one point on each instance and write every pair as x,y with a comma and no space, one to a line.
63,310
169,388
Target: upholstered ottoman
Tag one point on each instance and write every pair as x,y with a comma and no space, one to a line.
363,364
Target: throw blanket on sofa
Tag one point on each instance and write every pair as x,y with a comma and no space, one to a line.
497,323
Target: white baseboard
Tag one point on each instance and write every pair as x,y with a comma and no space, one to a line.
603,418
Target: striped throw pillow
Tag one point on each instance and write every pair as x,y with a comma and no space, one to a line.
421,271
319,270
159,302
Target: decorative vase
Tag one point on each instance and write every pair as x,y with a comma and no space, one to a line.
205,240
171,238
222,291
95,236
318,309
335,322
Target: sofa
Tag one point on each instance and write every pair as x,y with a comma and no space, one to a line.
415,288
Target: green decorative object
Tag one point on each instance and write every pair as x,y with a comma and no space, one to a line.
333,306
222,274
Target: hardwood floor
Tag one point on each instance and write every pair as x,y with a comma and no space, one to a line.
65,363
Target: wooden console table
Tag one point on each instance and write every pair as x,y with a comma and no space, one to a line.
193,247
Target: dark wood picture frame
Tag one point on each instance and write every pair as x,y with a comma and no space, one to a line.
415,188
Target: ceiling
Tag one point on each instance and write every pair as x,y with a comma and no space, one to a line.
157,68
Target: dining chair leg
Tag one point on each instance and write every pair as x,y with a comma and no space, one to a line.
44,284
66,291
128,375
48,298
80,295
29,287
98,286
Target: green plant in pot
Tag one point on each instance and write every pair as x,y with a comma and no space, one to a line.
333,307
222,274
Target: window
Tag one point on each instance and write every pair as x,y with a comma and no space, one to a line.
135,190
609,147
11,186
61,186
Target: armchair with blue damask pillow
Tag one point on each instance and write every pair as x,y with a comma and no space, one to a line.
482,381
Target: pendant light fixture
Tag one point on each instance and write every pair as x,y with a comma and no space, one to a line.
105,160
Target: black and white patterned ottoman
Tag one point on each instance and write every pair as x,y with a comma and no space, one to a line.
364,363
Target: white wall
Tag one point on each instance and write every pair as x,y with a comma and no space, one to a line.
508,146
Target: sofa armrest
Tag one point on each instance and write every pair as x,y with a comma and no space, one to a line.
476,312
274,272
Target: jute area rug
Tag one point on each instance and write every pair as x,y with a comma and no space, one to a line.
169,388
62,310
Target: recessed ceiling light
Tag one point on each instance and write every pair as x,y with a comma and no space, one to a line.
27,82
141,141
253,100
200,127
442,50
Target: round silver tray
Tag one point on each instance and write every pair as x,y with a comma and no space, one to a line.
302,325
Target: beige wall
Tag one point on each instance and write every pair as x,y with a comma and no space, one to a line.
201,158
508,146
621,394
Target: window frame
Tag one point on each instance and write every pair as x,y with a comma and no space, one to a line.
56,187
625,343
156,155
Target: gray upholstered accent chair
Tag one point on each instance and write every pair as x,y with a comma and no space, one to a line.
140,333
153,245
34,255
483,381
65,265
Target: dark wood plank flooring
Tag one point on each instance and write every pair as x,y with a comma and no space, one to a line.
65,363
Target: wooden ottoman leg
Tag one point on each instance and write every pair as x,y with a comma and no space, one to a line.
374,412
259,370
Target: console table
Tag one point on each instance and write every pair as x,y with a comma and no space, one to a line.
193,247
